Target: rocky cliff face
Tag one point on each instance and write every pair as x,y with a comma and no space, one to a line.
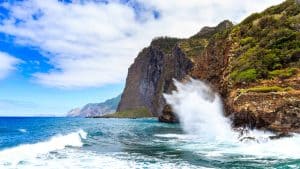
96,109
74,113
151,75
253,65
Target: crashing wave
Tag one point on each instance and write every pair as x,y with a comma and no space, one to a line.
27,152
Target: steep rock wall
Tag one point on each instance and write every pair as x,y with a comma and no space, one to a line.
151,75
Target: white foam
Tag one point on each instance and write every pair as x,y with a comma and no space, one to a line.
79,160
83,159
281,148
29,152
22,130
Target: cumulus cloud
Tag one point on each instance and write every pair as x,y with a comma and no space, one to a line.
93,44
7,64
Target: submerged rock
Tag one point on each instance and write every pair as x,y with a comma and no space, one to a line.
281,135
248,139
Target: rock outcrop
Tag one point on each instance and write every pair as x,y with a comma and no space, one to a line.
255,66
152,74
168,116
279,111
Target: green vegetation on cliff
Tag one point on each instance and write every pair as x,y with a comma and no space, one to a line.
283,73
267,44
264,46
266,89
133,113
166,44
195,45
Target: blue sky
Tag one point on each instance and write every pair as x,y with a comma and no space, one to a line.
22,96
58,55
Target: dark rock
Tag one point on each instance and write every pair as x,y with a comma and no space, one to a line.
249,139
168,116
243,120
281,135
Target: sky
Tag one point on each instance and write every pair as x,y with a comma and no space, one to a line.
56,55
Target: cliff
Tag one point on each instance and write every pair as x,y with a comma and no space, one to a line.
96,109
74,113
151,75
253,65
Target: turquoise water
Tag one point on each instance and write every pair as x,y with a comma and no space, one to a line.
129,143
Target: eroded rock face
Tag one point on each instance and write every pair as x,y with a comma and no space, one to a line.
141,80
278,112
152,74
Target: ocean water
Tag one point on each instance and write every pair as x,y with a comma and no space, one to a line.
130,143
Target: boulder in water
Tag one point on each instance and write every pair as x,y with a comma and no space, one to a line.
168,115
248,139
281,135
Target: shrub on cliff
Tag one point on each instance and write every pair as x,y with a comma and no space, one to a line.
266,89
165,43
284,73
267,44
248,75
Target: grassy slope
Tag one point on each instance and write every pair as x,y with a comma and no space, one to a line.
267,44
135,113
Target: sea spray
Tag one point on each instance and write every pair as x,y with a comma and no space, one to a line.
200,113
200,110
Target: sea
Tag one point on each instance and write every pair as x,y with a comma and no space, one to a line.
98,143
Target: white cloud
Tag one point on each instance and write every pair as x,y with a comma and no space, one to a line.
7,64
93,44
